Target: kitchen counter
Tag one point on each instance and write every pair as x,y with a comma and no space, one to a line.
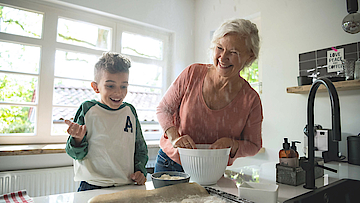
223,184
264,173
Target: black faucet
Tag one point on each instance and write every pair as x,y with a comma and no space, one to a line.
309,164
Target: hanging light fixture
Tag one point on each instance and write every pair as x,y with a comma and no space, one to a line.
351,22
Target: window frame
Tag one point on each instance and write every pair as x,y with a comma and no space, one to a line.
46,76
165,38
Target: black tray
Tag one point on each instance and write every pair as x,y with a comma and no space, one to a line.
230,198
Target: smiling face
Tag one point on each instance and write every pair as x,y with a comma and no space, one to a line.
231,55
112,88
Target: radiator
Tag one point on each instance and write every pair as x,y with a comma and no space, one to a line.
39,182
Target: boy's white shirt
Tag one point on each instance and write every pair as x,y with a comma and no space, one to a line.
105,165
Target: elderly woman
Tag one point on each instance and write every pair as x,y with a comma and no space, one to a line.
212,103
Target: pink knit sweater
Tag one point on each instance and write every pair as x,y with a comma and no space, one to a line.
183,106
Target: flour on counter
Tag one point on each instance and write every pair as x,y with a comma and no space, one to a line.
199,199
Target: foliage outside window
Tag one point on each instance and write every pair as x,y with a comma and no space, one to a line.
251,75
15,21
18,90
83,34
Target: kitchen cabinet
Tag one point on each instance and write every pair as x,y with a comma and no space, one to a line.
340,86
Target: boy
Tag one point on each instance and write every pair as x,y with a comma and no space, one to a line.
105,138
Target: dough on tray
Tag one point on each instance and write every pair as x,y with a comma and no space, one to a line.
173,193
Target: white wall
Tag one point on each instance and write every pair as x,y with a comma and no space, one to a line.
288,27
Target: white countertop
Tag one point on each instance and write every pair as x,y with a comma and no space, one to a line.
266,173
223,184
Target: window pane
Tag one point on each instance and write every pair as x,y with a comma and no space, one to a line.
18,88
146,115
72,92
142,46
17,119
145,101
20,22
75,65
83,34
19,58
251,74
145,74
59,115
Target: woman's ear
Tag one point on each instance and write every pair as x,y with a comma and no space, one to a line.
95,87
251,58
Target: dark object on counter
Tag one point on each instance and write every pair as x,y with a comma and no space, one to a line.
158,183
304,80
336,79
344,190
309,165
353,144
226,196
332,154
290,175
296,175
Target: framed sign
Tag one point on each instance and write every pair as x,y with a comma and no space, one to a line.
334,60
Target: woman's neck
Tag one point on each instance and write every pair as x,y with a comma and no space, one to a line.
228,84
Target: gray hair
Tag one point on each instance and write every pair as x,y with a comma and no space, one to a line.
244,28
112,63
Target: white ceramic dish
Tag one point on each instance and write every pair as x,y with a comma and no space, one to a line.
259,192
205,166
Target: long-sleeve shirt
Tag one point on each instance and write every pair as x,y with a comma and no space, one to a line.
113,147
183,106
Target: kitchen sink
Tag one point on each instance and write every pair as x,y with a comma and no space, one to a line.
341,191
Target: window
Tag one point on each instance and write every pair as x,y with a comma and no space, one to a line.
251,75
146,81
44,79
16,21
83,34
19,72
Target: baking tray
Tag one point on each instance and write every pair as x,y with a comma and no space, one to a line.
230,198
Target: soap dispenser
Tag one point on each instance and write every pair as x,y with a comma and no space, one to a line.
293,147
287,156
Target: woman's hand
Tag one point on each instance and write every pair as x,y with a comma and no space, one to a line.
226,142
176,140
138,177
184,141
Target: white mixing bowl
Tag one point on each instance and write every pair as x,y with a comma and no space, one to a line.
205,166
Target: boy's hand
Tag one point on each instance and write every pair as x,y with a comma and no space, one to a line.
76,131
138,177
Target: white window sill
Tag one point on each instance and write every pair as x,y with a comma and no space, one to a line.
13,150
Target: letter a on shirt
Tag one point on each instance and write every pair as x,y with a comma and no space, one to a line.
128,124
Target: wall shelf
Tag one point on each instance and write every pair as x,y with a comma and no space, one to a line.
340,86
